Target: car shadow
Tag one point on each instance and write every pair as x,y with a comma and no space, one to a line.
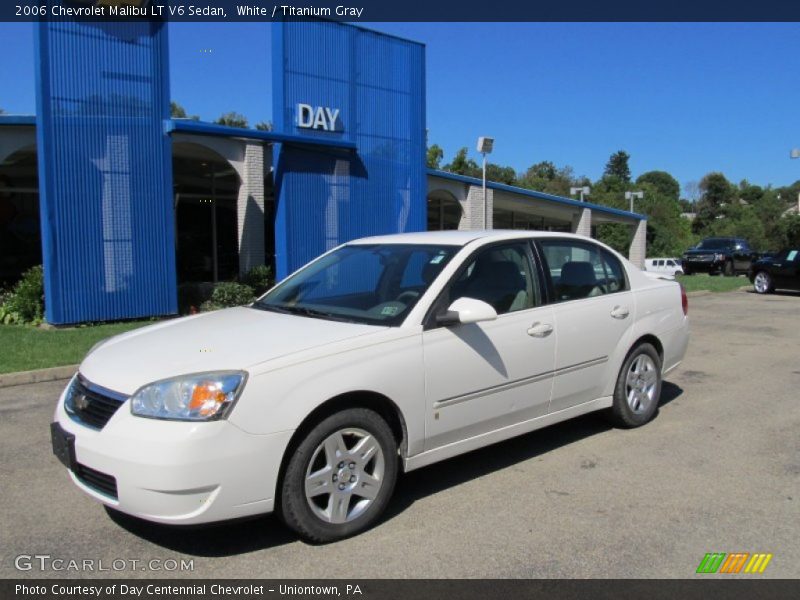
788,293
226,538
231,538
484,461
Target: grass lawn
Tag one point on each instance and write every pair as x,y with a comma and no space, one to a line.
718,283
23,348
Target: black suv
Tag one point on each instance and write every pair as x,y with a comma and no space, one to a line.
729,256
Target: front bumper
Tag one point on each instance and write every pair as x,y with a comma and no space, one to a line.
177,472
703,266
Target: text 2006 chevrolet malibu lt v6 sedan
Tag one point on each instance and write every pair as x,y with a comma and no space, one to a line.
386,353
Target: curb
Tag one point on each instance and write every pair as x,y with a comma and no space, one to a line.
37,376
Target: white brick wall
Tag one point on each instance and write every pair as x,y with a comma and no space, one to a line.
472,218
250,209
638,249
582,222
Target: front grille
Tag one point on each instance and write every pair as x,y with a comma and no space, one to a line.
105,484
91,405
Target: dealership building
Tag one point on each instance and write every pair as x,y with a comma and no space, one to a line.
124,205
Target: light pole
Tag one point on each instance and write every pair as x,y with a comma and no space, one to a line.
583,191
485,145
631,195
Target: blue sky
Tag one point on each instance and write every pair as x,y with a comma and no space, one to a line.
685,98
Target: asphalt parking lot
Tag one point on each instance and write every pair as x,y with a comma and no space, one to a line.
718,470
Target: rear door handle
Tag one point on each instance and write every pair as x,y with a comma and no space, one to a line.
620,312
540,330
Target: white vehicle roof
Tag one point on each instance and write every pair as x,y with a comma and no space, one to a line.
461,238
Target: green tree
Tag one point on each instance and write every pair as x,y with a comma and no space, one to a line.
232,119
769,209
434,156
546,177
716,193
178,112
617,166
790,194
500,174
662,183
790,231
463,165
264,126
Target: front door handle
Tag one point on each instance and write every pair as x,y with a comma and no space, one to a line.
620,312
540,330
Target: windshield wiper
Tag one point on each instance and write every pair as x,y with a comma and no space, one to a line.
304,311
271,307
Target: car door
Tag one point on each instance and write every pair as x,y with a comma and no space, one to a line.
741,255
483,376
594,311
785,272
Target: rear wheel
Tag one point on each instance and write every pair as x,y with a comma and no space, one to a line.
638,388
762,283
340,478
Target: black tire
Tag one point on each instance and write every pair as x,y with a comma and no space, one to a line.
296,510
622,413
728,269
761,289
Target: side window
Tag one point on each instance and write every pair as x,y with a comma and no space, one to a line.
581,270
501,276
670,263
661,263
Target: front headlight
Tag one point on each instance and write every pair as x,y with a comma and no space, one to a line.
719,257
197,397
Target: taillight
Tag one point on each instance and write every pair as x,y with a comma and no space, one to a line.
684,301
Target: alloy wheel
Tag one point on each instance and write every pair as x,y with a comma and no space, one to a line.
344,475
761,283
640,383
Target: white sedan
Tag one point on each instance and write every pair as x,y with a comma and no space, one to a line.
385,354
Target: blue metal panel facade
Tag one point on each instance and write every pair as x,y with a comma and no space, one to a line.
105,170
324,196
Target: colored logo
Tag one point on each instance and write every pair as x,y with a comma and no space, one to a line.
733,563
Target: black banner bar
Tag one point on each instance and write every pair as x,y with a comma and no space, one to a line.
366,11
731,588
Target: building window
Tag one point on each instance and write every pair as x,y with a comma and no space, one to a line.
444,212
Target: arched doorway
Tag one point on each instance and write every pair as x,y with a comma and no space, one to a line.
206,189
444,211
20,233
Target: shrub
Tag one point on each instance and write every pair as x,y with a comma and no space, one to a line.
259,278
25,303
227,294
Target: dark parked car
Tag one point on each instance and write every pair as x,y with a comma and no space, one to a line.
779,271
729,256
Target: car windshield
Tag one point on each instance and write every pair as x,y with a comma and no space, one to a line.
714,244
376,284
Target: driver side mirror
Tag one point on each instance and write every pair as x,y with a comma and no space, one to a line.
467,310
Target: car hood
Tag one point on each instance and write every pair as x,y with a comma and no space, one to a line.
230,339
695,251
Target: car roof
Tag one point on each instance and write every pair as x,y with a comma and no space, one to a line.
460,238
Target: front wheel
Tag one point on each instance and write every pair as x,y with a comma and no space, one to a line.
340,478
762,283
728,270
638,388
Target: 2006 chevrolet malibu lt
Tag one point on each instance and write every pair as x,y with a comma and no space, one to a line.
386,353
